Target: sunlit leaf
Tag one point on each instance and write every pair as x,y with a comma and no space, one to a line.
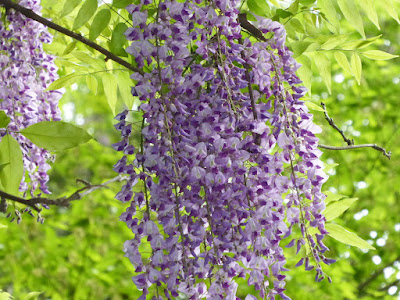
110,90
360,44
4,119
91,82
323,65
64,81
56,135
305,72
388,5
124,85
71,46
3,227
259,7
118,40
313,106
11,155
370,10
352,14
328,8
332,196
97,64
356,66
100,22
87,10
69,6
335,41
121,3
378,55
346,237
342,60
337,208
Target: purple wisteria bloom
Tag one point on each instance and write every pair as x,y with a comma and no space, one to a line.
25,72
229,159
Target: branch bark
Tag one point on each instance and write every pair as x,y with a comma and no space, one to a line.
32,15
62,201
350,143
374,146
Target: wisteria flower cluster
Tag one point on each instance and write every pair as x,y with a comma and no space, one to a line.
25,72
229,159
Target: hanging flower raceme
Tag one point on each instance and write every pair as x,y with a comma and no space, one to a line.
25,72
229,158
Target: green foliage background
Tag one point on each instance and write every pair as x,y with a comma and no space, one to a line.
77,253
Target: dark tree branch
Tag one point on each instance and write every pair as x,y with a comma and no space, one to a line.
31,15
62,201
330,121
374,146
362,286
394,283
349,142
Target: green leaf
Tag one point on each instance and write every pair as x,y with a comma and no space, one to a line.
335,41
304,72
4,119
97,64
335,209
69,6
307,2
87,10
2,166
32,296
356,66
259,7
313,106
91,82
283,14
343,62
388,4
328,167
360,43
352,15
71,46
124,85
310,25
371,12
3,227
11,174
56,135
64,81
5,296
346,237
328,8
330,197
296,25
378,55
100,22
293,8
118,40
323,65
299,47
110,90
121,3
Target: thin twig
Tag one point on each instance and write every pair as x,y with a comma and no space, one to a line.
374,146
362,286
30,14
330,121
350,143
62,201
